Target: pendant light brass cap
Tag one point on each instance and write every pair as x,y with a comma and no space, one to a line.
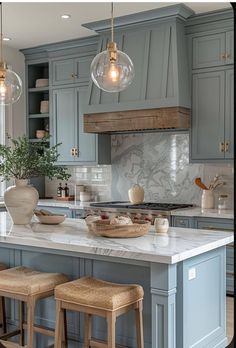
112,46
3,65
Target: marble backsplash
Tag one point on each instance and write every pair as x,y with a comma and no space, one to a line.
160,163
157,161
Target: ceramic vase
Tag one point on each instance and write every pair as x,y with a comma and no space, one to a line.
21,200
207,200
136,194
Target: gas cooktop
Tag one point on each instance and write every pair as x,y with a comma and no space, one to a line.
144,205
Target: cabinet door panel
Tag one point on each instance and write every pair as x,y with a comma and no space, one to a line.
64,122
207,130
230,47
229,113
86,142
63,71
82,69
208,51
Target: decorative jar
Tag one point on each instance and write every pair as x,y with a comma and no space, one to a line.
207,200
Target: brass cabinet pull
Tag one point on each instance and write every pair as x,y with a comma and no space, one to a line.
227,146
222,147
227,55
72,151
223,56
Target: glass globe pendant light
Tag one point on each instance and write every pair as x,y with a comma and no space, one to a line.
10,82
112,70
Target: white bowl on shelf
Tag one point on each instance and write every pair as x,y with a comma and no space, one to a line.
41,83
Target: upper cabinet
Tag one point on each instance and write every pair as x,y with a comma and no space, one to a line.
157,45
72,70
213,50
67,66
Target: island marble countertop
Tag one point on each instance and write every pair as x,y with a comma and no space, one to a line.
73,236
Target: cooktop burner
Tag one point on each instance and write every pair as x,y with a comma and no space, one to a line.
144,205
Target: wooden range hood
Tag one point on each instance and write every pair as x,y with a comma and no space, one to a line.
137,120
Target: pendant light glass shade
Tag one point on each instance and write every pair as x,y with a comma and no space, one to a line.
112,76
112,70
10,86
10,82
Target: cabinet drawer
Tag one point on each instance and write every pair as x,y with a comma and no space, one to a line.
179,221
78,214
209,51
209,224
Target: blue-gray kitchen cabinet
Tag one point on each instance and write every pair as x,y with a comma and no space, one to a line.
213,50
182,221
212,116
71,70
67,128
222,225
208,103
229,114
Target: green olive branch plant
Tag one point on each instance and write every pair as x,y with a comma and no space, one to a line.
25,160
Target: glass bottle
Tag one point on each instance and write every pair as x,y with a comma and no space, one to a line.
59,190
222,202
66,188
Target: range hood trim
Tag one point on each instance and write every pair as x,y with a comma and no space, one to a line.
169,118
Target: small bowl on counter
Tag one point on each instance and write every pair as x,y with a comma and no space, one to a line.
47,218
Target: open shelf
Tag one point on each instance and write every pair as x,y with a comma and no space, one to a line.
38,115
38,89
35,140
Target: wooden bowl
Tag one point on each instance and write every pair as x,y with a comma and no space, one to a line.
104,229
51,219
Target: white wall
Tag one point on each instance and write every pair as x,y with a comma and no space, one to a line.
16,119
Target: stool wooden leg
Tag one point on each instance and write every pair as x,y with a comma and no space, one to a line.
64,330
3,314
21,323
87,330
139,324
30,321
59,325
111,330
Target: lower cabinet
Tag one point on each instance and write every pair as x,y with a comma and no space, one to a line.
182,221
76,146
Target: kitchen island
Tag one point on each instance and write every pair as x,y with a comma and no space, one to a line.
182,273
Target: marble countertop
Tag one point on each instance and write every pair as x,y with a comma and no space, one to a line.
63,204
198,212
73,236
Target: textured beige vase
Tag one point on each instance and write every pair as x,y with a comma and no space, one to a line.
136,194
20,201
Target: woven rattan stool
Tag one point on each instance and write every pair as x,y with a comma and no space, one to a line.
97,297
3,322
28,286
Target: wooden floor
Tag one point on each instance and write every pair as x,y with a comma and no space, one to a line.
230,317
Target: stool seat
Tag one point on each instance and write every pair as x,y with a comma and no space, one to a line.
98,293
25,281
2,266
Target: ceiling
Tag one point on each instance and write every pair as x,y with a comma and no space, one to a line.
32,24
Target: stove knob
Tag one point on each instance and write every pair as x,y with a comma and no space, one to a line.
148,217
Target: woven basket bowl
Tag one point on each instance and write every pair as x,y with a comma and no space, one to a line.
104,229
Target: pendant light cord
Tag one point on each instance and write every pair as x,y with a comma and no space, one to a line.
112,23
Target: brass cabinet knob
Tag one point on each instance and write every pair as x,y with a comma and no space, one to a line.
227,56
227,146
222,147
223,56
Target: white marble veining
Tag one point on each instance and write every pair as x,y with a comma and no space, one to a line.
73,236
211,213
